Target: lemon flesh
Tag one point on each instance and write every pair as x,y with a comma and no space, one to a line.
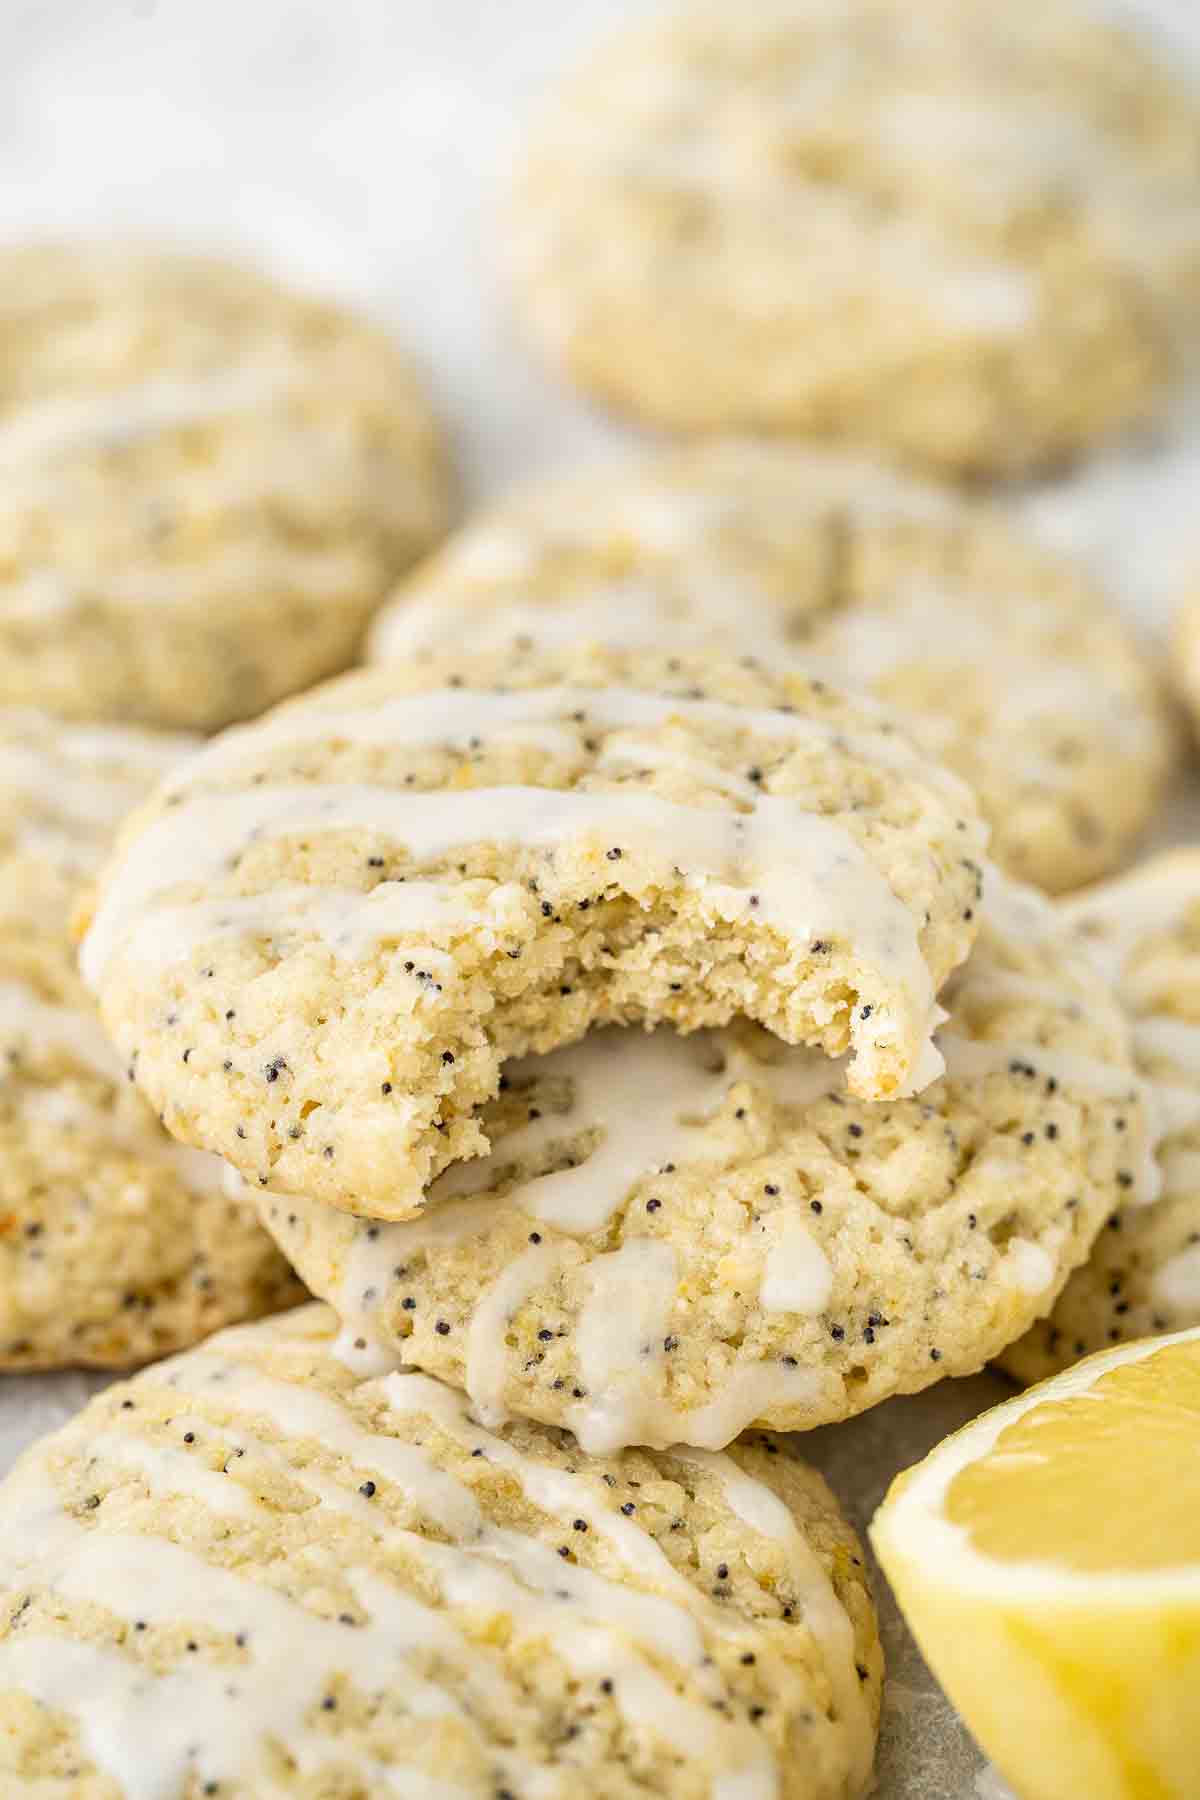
1129,1446
1047,1558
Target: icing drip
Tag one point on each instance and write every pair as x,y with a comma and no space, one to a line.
638,1099
489,1324
626,1105
642,1095
797,1277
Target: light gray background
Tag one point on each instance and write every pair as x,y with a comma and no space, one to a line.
358,145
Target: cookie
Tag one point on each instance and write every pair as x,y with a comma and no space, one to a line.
116,1244
964,233
1143,1277
675,1238
318,944
64,792
1030,686
247,1571
208,484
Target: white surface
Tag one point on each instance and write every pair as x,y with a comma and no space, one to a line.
358,145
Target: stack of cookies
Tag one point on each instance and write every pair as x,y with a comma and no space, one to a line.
635,1050
633,1005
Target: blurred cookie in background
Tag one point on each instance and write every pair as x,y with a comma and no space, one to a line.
116,1244
965,233
1025,680
1143,1277
207,482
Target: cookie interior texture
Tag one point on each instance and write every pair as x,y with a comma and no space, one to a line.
317,945
208,484
1143,1277
966,233
248,1570
1024,679
676,1238
116,1244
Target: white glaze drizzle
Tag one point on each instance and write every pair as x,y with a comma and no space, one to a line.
643,1095
91,804
856,248
351,924
1113,923
637,1102
632,614
555,719
486,1359
764,1512
1032,682
46,430
210,1720
795,870
43,1028
620,1340
70,786
41,1025
797,1277
1028,1266
975,1060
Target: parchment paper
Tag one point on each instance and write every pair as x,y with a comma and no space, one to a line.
358,145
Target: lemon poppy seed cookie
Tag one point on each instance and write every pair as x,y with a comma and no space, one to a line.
1143,1277
675,1238
246,1571
208,483
962,232
318,944
1027,682
116,1244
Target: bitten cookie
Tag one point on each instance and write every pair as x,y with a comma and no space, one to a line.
207,483
675,1238
318,944
247,1572
961,232
116,1244
1029,685
1143,1276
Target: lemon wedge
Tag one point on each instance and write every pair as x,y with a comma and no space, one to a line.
1047,1559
